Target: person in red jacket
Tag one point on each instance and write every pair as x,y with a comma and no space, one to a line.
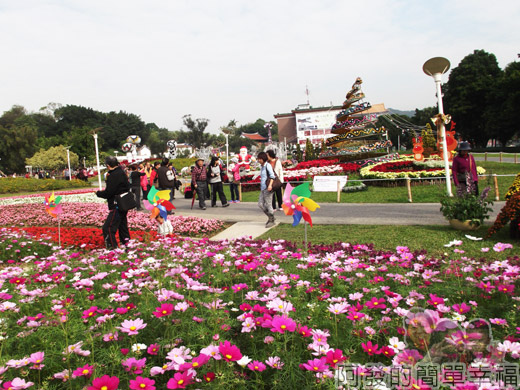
153,176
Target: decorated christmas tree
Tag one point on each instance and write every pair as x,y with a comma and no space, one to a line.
355,125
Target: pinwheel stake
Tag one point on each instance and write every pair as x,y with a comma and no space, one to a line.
297,202
53,207
158,203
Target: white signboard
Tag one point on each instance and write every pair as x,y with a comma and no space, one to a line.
315,120
329,183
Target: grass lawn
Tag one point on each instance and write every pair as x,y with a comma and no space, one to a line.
433,238
424,193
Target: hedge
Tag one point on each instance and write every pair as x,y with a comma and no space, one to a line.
21,184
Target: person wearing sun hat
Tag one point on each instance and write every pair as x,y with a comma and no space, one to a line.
199,181
464,170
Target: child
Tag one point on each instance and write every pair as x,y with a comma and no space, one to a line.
164,226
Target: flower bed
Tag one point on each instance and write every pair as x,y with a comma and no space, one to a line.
183,313
19,184
94,215
306,171
88,238
406,168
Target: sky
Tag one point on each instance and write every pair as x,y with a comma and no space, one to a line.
242,60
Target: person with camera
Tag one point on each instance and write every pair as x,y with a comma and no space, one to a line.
116,184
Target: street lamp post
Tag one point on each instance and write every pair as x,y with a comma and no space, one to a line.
436,67
227,149
94,134
68,161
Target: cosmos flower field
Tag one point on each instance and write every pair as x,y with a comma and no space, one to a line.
193,313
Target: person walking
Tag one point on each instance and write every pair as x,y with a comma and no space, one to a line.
145,180
174,171
116,184
234,175
199,182
464,171
215,173
265,199
278,170
135,184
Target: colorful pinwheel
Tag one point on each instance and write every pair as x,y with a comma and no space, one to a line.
297,202
52,205
158,203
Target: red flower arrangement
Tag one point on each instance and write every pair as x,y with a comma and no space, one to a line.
401,166
90,238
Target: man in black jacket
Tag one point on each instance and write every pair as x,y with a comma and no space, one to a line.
116,184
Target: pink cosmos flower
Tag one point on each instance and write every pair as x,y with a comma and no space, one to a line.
355,315
37,360
370,349
461,308
506,288
153,349
376,303
212,350
230,352
407,357
281,324
387,351
334,357
316,365
133,365
141,383
86,370
111,337
90,313
164,310
255,365
105,383
197,362
499,247
435,300
17,384
239,287
132,326
180,380
498,321
274,362
338,308
304,331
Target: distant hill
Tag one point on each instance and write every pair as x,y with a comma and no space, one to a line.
409,113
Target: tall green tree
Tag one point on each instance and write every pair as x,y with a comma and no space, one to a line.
18,140
468,94
196,129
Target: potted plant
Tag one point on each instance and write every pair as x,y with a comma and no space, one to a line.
466,212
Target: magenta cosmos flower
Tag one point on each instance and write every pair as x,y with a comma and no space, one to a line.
230,352
105,383
132,326
239,287
86,370
141,383
281,324
376,303
256,366
165,310
180,380
316,365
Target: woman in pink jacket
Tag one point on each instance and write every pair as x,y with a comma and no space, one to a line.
234,173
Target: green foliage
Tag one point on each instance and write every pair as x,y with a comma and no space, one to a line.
466,208
469,94
310,154
53,158
299,154
427,137
10,185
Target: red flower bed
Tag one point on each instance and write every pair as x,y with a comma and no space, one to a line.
401,166
90,238
347,167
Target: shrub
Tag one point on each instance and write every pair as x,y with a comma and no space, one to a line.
21,184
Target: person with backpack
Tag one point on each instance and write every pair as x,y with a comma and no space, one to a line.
265,199
278,170
116,184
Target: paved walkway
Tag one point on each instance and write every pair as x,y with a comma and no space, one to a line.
250,221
